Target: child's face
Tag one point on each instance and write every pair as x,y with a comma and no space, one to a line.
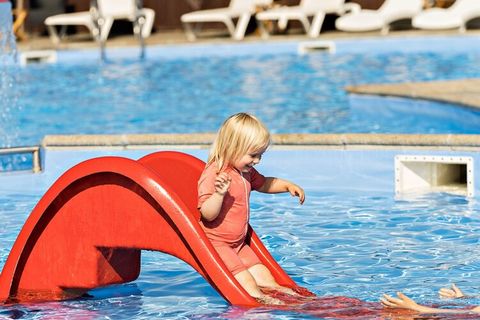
247,161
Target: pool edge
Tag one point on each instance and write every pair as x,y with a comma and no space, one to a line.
302,140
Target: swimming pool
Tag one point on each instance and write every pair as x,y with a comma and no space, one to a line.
351,238
180,89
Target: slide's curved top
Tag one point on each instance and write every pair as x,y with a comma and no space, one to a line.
89,228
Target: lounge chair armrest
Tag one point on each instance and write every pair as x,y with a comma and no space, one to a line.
351,7
263,3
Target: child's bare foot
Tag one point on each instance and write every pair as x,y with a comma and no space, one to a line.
288,291
264,299
285,290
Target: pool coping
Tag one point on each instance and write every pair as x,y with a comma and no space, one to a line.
470,142
464,92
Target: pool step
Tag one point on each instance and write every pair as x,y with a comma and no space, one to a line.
318,45
37,56
422,174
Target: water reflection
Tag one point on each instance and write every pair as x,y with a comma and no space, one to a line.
114,302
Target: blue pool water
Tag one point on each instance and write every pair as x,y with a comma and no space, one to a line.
344,241
192,89
351,238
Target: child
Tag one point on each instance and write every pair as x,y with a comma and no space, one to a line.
223,199
404,302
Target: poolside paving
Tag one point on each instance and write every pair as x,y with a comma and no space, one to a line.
464,92
284,141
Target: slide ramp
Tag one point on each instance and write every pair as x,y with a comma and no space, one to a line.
89,228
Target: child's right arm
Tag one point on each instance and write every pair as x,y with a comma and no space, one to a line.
210,209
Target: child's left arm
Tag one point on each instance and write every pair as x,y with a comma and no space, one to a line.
277,185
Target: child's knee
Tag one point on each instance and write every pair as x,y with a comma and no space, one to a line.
263,277
247,281
246,278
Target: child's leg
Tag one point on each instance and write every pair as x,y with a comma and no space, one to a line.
264,278
235,264
260,273
248,283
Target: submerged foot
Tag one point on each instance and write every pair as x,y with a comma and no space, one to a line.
269,300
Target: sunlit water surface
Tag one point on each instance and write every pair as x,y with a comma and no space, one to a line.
355,244
352,244
288,91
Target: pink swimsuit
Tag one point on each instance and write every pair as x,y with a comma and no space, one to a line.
228,231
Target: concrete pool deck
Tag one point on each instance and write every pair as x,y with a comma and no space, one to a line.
464,92
447,142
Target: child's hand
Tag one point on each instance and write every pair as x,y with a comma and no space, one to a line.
222,183
296,191
401,302
451,293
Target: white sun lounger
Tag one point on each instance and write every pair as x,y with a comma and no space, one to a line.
108,11
370,20
83,18
237,9
454,17
302,12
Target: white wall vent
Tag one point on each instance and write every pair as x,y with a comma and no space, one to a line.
422,174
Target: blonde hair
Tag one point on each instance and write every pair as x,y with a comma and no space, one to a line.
239,134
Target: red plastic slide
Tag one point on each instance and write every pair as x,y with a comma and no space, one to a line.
89,228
